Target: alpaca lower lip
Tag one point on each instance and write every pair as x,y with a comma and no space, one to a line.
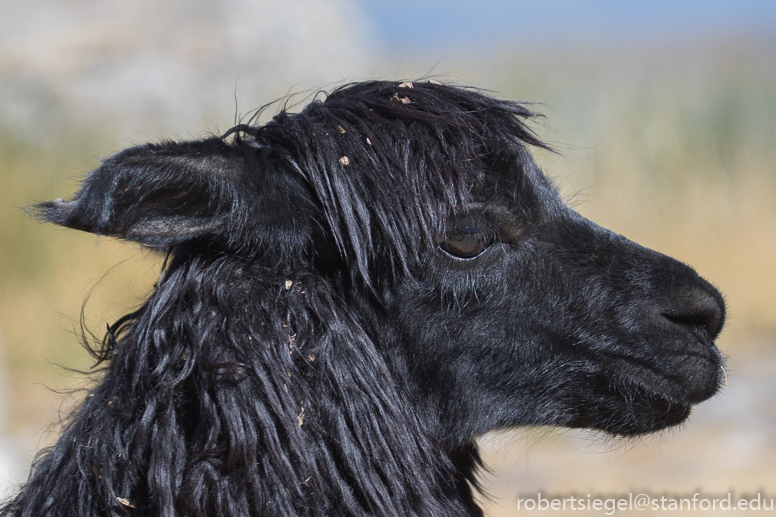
648,414
662,408
635,410
685,378
661,413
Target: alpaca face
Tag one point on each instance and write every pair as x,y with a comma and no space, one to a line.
529,314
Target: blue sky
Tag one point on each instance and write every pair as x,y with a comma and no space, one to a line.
444,24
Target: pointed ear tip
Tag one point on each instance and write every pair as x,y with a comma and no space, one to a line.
56,211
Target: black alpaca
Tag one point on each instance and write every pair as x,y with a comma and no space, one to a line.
352,295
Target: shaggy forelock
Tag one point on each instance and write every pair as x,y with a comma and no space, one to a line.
421,148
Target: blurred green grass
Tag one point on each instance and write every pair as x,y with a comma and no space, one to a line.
679,155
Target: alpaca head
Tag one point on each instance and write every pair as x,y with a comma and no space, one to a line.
422,205
402,232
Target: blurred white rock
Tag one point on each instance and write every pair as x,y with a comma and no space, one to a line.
180,63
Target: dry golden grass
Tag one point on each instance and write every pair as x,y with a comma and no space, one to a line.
46,274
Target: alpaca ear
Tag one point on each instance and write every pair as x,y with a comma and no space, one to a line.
162,195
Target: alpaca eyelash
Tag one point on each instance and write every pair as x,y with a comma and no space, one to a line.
467,242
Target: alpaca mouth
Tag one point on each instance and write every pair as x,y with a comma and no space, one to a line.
687,378
634,397
651,399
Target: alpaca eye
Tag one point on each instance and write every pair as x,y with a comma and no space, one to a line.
466,242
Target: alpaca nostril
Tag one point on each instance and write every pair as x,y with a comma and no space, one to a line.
694,322
702,309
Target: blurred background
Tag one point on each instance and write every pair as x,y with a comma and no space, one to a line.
664,113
